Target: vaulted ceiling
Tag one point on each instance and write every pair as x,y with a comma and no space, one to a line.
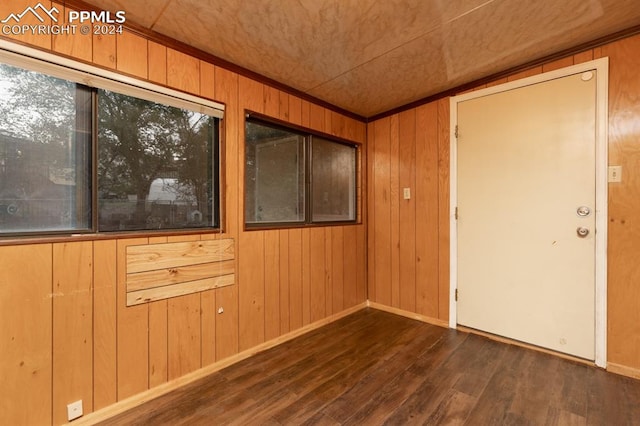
370,56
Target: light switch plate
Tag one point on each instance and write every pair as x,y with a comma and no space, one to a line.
407,193
615,174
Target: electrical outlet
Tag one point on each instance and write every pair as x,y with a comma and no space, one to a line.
74,410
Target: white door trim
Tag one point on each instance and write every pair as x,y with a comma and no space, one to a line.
602,75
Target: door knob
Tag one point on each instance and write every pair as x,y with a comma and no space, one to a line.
582,232
583,211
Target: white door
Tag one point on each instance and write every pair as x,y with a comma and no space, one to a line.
526,185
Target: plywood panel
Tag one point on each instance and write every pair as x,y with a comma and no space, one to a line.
131,53
361,263
104,51
328,272
132,332
251,289
337,268
271,285
285,292
295,110
560,63
271,99
183,72
183,319
157,63
295,279
25,334
427,209
526,73
226,90
184,335
317,285
143,257
350,266
104,323
382,212
306,276
443,209
28,37
371,212
208,327
585,56
158,336
207,80
72,327
394,199
624,203
69,44
283,114
227,322
407,213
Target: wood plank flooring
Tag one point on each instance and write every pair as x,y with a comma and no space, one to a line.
374,368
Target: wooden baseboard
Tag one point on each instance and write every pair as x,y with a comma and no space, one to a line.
119,407
408,314
623,370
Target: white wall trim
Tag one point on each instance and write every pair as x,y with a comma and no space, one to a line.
90,75
602,67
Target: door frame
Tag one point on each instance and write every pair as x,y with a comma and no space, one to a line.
601,66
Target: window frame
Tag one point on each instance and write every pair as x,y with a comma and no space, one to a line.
95,78
308,135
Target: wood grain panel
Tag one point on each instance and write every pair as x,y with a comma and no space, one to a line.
285,291
157,63
69,44
443,209
624,203
295,279
227,328
183,72
371,212
382,212
183,330
271,101
283,113
179,289
295,110
337,269
28,37
407,211
207,80
104,323
427,208
131,54
524,74
25,334
350,261
317,284
208,326
271,285
306,276
226,90
560,63
132,332
164,277
361,263
72,327
104,51
585,56
328,272
251,289
142,258
394,204
158,336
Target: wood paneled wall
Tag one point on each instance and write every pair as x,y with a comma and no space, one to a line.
65,330
408,243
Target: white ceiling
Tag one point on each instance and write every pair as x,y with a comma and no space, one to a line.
370,56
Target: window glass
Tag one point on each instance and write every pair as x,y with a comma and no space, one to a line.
155,165
333,181
274,175
45,140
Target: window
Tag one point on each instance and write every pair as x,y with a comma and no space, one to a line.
109,157
293,177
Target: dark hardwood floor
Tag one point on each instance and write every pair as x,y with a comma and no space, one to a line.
377,368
